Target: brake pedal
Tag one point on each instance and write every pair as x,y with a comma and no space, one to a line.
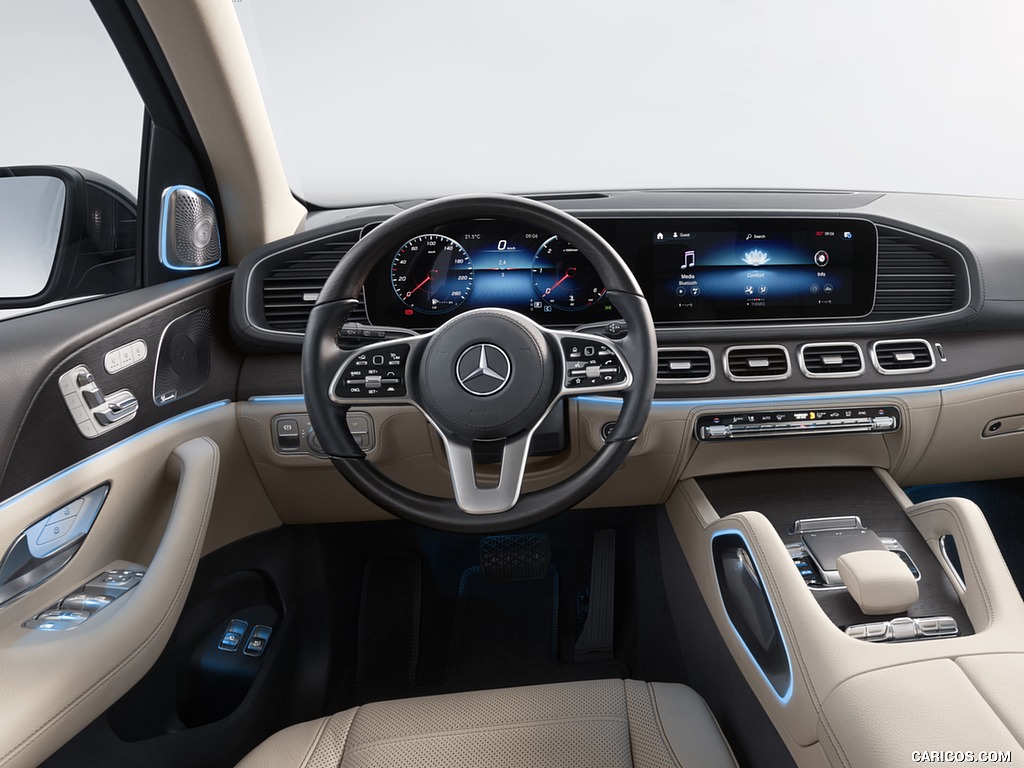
515,557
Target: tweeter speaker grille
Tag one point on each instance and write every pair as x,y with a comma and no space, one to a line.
183,358
189,236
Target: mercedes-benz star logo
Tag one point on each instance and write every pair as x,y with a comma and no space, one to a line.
483,369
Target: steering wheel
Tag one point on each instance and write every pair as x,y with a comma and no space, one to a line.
487,374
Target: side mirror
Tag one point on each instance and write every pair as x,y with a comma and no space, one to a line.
64,233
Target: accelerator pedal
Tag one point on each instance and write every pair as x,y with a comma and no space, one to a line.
597,638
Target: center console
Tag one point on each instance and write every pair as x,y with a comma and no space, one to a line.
860,635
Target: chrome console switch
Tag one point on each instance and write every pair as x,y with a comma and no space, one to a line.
57,620
88,600
905,628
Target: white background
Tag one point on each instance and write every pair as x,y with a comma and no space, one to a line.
67,98
381,99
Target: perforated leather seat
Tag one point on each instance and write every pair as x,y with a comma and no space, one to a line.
593,724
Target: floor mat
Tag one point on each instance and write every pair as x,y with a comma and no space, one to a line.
389,627
505,630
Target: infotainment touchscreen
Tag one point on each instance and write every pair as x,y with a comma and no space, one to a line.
751,269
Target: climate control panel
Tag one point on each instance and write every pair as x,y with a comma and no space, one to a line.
830,421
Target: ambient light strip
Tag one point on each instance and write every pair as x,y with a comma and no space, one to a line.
116,446
783,698
765,399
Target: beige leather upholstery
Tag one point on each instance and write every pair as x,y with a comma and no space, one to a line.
589,724
878,581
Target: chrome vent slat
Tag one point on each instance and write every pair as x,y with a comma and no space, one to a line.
685,365
831,360
291,285
757,363
899,356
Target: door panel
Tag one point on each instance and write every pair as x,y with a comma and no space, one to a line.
154,520
163,470
38,435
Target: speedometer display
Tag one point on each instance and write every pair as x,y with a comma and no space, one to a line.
475,263
432,273
563,277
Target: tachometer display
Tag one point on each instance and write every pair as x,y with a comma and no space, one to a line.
432,274
562,276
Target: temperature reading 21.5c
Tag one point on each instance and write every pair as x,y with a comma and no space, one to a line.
432,274
563,277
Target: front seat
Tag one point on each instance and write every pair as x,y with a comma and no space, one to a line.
592,724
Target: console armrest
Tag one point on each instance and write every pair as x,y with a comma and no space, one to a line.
878,581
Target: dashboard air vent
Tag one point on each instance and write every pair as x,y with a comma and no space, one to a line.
832,360
757,363
293,282
902,356
686,365
917,276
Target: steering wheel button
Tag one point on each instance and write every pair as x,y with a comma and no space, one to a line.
593,371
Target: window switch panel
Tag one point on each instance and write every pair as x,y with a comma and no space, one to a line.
232,637
258,640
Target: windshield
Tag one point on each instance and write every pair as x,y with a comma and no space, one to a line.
379,101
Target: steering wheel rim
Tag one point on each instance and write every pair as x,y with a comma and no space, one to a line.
542,367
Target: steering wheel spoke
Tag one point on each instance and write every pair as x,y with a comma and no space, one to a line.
475,500
377,374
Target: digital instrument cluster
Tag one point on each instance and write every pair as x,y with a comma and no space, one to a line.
690,270
486,263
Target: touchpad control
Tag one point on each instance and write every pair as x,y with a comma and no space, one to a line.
825,547
824,540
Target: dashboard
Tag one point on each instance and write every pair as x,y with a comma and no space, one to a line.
752,293
912,361
721,269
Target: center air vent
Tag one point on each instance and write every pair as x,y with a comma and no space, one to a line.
758,363
831,360
293,280
685,365
902,356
